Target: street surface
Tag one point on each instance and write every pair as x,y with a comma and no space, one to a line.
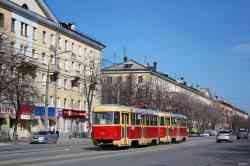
198,151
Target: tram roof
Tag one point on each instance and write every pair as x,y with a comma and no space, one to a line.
146,111
176,115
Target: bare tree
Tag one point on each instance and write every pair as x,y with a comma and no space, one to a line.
91,84
17,73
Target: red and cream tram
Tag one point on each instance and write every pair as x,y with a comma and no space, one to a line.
128,126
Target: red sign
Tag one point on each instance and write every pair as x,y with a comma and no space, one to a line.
25,112
73,114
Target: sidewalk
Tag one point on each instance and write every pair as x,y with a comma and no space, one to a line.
73,141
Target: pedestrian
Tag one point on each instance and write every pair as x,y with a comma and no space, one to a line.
57,132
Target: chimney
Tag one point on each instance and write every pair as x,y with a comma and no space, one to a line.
125,59
155,66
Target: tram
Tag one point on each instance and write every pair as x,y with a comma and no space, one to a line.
128,126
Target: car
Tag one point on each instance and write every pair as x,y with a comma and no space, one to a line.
224,135
242,133
211,132
205,134
46,137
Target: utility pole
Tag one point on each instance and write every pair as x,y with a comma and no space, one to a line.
47,94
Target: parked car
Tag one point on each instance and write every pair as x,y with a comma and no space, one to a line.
224,135
211,132
205,134
44,137
242,133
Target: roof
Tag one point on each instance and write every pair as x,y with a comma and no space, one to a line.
135,66
50,22
128,65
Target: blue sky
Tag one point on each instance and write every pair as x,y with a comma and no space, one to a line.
206,42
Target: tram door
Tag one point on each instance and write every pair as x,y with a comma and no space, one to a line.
125,119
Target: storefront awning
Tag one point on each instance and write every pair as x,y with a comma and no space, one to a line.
68,113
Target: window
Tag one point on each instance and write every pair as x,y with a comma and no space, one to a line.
79,51
132,119
44,37
1,20
64,102
52,40
43,77
44,58
79,104
106,118
140,79
162,121
65,83
66,45
53,59
21,49
13,25
72,103
60,42
51,99
25,50
135,119
72,47
24,29
34,33
58,101
173,122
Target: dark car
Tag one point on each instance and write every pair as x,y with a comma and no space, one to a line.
242,133
44,137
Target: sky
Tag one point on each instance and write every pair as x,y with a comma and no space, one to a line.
206,42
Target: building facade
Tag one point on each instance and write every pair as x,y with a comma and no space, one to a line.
146,78
64,56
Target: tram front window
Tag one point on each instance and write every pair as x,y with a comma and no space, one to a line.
106,118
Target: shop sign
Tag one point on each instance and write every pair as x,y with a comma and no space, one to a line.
74,114
25,117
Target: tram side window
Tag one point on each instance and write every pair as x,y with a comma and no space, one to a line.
103,118
116,117
133,119
162,121
147,120
174,122
156,120
137,119
167,121
183,122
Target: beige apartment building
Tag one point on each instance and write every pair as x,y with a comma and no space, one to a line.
144,74
62,52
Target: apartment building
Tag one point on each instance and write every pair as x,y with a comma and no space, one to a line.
147,78
62,52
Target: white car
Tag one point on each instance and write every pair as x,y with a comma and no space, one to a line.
224,136
204,134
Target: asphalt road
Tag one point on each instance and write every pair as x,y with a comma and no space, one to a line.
202,151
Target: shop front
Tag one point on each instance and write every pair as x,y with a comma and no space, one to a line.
7,117
38,118
24,123
74,123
